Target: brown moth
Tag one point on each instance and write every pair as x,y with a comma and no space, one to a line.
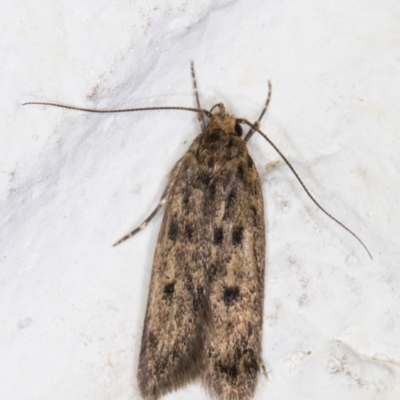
205,306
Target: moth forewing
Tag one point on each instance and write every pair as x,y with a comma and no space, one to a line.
204,313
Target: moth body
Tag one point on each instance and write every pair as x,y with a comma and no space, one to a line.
205,304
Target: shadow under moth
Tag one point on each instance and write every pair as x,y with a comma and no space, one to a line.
205,307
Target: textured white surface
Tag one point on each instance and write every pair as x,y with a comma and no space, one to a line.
72,307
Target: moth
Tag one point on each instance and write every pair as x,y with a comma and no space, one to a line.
204,312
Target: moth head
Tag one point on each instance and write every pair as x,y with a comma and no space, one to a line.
224,121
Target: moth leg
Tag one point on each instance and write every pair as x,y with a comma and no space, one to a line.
264,369
157,209
146,221
200,116
258,123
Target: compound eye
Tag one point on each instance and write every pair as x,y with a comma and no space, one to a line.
238,129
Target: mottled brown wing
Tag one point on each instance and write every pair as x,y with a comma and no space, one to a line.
178,310
236,280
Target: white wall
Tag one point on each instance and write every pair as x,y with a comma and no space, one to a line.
71,183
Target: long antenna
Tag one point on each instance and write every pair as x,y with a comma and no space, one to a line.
255,127
197,110
200,116
258,123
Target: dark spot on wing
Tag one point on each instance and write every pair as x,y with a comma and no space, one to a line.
218,236
240,172
152,340
237,235
173,230
228,369
185,201
168,291
231,295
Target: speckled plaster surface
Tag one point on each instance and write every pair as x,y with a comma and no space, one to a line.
72,307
